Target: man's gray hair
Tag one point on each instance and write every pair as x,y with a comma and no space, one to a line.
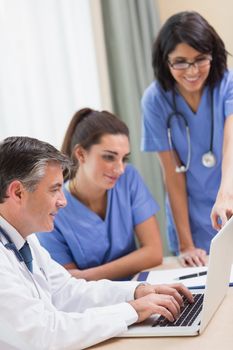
25,159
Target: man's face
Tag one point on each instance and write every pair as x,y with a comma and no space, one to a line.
39,208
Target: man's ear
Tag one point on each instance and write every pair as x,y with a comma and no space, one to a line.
15,190
79,153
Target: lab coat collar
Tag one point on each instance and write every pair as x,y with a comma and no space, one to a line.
14,235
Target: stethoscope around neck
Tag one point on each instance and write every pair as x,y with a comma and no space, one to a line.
11,246
208,158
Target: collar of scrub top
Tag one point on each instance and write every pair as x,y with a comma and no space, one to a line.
208,158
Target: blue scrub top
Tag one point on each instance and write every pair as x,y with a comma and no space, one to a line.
202,183
82,237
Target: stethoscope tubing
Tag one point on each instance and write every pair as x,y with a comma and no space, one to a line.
11,246
176,113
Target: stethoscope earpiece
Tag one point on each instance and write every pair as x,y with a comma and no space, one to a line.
181,169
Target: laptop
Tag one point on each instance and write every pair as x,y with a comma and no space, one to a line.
207,300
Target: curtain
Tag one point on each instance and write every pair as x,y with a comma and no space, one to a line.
129,29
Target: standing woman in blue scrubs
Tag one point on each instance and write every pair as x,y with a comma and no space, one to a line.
188,121
107,204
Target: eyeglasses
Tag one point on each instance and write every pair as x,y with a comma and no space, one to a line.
198,63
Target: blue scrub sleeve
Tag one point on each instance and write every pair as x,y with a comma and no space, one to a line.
229,96
56,245
143,204
155,110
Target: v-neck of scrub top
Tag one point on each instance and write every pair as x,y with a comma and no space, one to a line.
92,220
182,104
199,124
92,217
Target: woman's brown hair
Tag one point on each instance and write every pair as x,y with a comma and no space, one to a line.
86,129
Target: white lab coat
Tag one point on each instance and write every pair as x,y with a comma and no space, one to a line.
54,310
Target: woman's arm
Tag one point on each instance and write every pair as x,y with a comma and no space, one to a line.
176,188
148,255
223,207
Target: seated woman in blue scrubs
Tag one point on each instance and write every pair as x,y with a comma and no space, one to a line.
108,205
188,121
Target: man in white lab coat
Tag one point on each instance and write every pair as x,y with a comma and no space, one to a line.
41,305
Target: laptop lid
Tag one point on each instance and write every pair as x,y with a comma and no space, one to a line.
218,277
219,270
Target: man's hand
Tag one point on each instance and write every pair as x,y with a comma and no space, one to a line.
161,299
175,290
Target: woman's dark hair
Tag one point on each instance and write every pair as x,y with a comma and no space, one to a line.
192,29
86,129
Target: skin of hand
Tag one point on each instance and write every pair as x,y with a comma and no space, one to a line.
223,207
193,257
221,211
165,300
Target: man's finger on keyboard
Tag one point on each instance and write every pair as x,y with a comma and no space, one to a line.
183,291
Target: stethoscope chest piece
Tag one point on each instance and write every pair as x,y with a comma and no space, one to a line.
209,159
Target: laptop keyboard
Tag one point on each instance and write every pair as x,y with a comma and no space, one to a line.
189,313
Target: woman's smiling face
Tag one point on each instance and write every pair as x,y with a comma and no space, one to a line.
192,79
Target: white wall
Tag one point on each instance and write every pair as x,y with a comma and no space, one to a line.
48,66
218,13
